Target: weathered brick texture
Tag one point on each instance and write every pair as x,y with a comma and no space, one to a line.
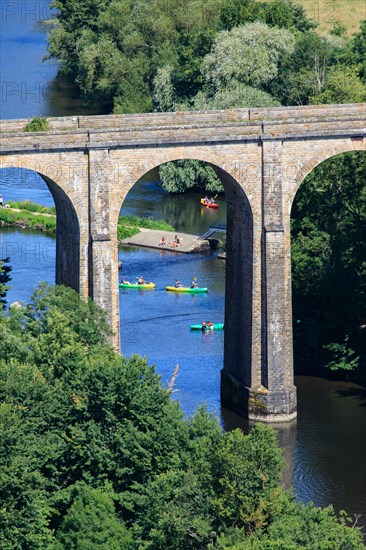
261,156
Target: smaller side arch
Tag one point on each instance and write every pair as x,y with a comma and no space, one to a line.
68,250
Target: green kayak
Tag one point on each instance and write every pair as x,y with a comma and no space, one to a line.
186,289
136,285
213,326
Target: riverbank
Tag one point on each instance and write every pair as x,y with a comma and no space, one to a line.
24,218
29,215
151,238
132,230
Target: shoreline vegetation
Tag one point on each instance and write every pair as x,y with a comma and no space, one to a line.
29,215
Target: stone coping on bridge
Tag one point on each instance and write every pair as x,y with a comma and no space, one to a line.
151,238
164,135
223,116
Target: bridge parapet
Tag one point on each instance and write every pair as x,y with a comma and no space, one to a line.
218,117
118,131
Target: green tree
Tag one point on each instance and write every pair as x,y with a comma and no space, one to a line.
247,477
303,73
91,523
247,54
296,528
279,13
178,176
342,85
94,452
5,278
358,50
235,96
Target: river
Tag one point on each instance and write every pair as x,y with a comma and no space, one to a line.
325,448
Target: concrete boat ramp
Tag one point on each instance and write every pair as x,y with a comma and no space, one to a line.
151,238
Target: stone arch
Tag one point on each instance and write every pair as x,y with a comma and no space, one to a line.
244,166
68,250
241,287
322,154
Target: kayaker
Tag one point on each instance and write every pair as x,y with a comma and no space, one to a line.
194,284
212,201
206,199
178,284
124,282
141,281
1,201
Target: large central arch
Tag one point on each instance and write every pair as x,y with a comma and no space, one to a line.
239,285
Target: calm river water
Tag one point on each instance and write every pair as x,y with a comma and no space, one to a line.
326,447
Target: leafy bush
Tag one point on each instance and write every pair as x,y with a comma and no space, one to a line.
37,124
126,232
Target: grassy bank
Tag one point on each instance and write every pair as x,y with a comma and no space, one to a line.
129,226
32,207
327,12
26,219
29,215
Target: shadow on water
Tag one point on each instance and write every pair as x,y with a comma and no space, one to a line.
355,393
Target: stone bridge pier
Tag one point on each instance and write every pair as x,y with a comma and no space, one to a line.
260,155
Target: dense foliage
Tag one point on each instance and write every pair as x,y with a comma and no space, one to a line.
94,453
329,264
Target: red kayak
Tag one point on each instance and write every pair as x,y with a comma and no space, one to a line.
209,204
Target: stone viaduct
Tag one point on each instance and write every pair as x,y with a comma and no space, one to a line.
261,156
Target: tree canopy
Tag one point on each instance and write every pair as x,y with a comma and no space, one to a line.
95,453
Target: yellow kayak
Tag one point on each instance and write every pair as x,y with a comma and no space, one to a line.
186,289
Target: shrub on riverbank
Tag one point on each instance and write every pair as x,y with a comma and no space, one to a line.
32,207
128,226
